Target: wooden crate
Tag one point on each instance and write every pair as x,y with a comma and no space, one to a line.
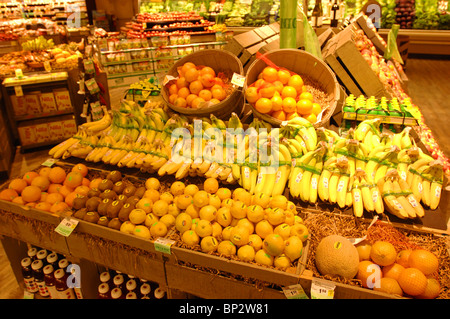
353,72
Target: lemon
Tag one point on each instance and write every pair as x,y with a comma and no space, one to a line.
208,213
227,202
152,183
300,230
191,189
290,218
263,228
211,185
183,201
127,227
255,241
137,216
246,253
152,194
291,207
244,196
209,244
293,248
217,229
223,216
201,198
226,232
262,200
177,188
238,209
173,210
142,231
279,201
273,244
146,204
255,213
276,216
261,257
160,208
282,262
168,219
193,211
167,196
223,193
204,228
239,235
150,219
247,224
190,238
284,230
226,248
183,222
158,229
215,201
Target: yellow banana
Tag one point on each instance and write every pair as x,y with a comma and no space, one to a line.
403,200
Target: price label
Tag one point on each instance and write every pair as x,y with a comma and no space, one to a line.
18,90
238,80
294,292
325,182
322,290
66,227
49,162
163,245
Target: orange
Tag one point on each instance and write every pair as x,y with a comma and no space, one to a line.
369,273
54,198
296,82
82,190
258,83
183,92
219,93
195,87
86,182
65,190
186,66
383,253
205,94
306,96
278,86
95,182
284,76
29,176
389,286
42,182
432,291
9,194
279,115
403,258
191,97
211,185
214,101
180,102
316,109
18,200
172,98
288,91
267,91
304,107
290,116
270,74
423,260
69,198
181,82
196,102
413,282
59,207
31,194
393,271
44,171
173,89
252,94
73,179
44,196
191,75
18,184
289,104
57,175
54,188
277,102
312,118
81,168
208,70
263,105
207,80
43,206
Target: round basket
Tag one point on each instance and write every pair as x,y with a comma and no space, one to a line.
220,61
314,72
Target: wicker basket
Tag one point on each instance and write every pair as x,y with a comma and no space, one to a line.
313,71
220,61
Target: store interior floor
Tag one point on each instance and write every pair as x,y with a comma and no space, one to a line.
428,87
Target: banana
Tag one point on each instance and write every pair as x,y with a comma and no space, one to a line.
418,208
403,200
183,171
341,190
310,130
435,194
295,180
357,198
417,182
323,183
283,171
391,203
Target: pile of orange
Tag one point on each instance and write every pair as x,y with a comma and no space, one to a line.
196,86
51,189
282,95
405,273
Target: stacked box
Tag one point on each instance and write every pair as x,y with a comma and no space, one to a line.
48,103
55,129
27,134
33,103
19,105
42,133
69,128
62,97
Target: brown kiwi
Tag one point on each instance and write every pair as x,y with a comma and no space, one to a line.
132,200
108,194
114,176
104,221
91,217
80,213
115,223
93,192
105,184
119,187
114,209
129,190
125,211
122,198
140,191
92,203
102,208
79,202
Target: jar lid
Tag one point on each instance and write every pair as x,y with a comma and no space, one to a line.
37,264
63,263
145,289
159,293
118,279
48,269
32,252
52,257
103,288
116,293
131,295
105,276
131,284
59,273
41,254
25,262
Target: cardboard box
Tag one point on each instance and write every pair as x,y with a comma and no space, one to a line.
69,128
33,103
27,134
48,102
63,101
19,105
42,133
55,129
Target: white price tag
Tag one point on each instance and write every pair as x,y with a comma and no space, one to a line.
18,90
238,80
294,292
66,227
163,245
322,290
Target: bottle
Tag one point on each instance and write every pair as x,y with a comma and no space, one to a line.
32,253
49,279
160,293
52,259
334,14
63,263
64,292
27,274
38,274
145,290
317,14
42,255
116,293
103,291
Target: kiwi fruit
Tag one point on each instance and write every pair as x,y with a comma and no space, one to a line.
122,198
105,184
93,192
119,187
93,203
102,208
114,209
115,223
140,191
114,176
80,213
132,200
110,194
79,202
92,217
103,221
129,190
125,211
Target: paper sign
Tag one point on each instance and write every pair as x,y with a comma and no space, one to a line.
49,162
66,227
294,292
322,290
18,90
238,80
163,245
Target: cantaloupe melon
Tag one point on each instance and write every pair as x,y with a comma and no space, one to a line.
336,255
